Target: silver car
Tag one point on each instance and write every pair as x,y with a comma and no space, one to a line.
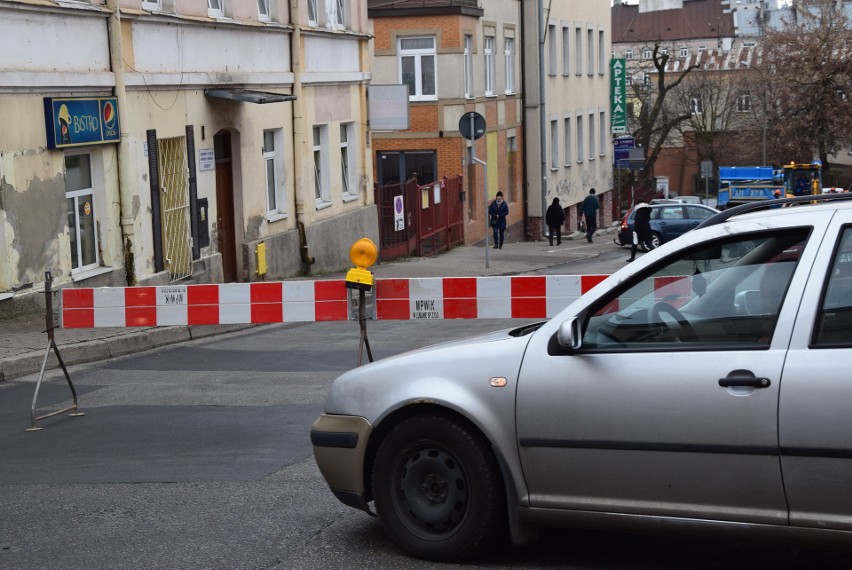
706,386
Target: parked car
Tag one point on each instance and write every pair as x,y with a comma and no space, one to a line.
668,221
654,402
678,200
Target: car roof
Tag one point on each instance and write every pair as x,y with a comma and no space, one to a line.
771,207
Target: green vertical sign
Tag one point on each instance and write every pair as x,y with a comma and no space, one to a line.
617,103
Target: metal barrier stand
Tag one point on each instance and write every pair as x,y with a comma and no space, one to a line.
51,344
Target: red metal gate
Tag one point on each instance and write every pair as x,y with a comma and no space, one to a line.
428,220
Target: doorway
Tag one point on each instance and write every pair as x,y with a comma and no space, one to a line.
225,205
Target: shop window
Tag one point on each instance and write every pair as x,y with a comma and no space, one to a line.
82,222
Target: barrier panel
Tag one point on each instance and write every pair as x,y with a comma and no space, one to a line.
533,297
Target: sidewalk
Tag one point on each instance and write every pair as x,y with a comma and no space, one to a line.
23,340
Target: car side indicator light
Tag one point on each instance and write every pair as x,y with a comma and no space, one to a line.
498,382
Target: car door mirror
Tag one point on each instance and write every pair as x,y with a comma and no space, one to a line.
569,335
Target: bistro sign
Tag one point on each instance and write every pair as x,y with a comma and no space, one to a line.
78,121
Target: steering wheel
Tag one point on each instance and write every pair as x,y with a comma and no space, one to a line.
681,328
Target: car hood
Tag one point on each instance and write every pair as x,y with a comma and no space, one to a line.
455,374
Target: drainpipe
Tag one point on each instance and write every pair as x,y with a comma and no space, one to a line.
299,133
125,163
524,152
542,116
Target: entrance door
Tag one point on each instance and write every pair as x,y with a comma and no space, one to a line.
225,205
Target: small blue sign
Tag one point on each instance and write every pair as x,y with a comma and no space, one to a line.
78,121
622,151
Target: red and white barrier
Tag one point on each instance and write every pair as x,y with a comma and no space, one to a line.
531,297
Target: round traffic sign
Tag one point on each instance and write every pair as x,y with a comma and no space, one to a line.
478,128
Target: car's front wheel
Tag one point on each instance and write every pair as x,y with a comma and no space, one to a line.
437,488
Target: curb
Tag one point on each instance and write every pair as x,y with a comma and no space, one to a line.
103,349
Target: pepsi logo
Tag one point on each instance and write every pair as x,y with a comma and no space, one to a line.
109,114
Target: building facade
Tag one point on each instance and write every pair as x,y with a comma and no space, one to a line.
153,142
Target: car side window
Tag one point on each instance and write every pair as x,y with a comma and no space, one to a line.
694,213
834,322
671,213
726,293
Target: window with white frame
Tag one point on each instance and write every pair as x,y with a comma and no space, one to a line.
347,153
312,12
554,144
489,66
216,8
509,56
580,137
468,66
578,51
568,135
601,53
647,53
602,129
696,107
743,102
702,49
321,179
336,14
417,68
646,79
273,162
80,202
551,50
263,10
591,136
566,50
628,54
684,52
153,5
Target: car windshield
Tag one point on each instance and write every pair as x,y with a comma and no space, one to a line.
726,293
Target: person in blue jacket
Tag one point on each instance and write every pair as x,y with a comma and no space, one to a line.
497,212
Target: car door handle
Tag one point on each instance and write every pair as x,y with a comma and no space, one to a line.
744,378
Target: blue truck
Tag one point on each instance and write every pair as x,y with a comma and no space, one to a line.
741,184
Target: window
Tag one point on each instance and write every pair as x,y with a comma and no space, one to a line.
646,79
629,79
347,151
509,53
568,135
743,102
602,128
468,66
215,8
489,66
511,160
554,145
321,182
80,202
153,5
702,49
696,107
591,136
834,322
566,50
578,51
336,15
417,67
601,52
726,293
273,161
580,151
590,52
551,50
850,148
628,54
263,10
647,53
664,51
684,52
312,12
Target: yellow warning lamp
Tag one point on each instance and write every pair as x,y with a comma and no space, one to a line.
363,254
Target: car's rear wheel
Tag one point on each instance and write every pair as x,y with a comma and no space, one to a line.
656,239
437,489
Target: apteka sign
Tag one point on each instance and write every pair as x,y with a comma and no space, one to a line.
618,106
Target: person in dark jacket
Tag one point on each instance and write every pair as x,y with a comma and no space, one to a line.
591,205
641,230
497,213
555,218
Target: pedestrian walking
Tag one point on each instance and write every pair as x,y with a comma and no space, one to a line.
641,230
555,218
590,211
497,212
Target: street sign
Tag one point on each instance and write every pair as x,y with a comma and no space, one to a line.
706,169
478,125
622,151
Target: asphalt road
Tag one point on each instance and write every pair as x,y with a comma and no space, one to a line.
197,456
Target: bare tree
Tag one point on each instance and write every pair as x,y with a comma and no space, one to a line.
656,120
807,70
